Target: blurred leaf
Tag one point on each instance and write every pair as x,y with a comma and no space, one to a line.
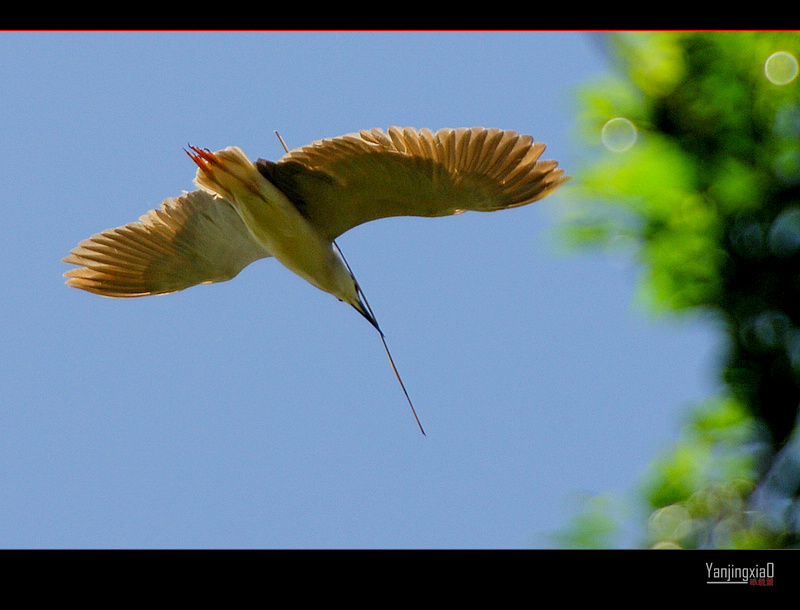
707,197
592,527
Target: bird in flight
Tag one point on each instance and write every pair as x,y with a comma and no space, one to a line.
295,208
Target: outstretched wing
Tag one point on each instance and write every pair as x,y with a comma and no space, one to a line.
342,182
192,239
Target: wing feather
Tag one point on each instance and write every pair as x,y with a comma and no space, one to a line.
192,239
340,183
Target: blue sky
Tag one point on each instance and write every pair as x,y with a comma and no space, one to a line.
262,412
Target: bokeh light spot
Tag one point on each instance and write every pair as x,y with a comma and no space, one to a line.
781,68
618,134
784,234
670,523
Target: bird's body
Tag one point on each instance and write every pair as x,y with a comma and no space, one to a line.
276,223
294,209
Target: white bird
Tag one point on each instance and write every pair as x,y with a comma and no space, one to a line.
294,209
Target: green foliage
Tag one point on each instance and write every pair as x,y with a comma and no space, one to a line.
697,492
708,191
594,526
